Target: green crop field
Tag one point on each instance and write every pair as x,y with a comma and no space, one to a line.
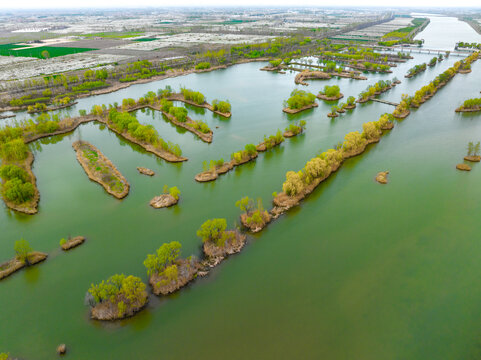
145,39
36,52
115,35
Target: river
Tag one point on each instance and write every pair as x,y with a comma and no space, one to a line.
358,271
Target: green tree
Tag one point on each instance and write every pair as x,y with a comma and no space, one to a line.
175,192
17,191
164,256
245,204
22,249
213,230
470,148
476,149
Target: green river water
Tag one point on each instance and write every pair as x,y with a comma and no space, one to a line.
358,271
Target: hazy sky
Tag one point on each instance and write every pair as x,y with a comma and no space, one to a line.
26,4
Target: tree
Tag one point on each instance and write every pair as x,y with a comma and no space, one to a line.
17,191
245,204
213,230
293,184
22,249
164,256
470,148
174,192
45,54
476,149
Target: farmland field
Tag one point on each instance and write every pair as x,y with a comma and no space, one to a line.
36,52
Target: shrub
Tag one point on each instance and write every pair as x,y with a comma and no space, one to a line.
202,65
221,106
179,113
9,172
14,150
194,96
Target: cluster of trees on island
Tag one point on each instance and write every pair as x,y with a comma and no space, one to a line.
24,256
474,148
254,216
332,92
376,89
416,70
435,60
466,45
470,104
300,99
248,153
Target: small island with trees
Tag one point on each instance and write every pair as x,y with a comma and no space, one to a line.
100,169
215,168
254,216
330,93
295,129
470,105
219,242
300,100
169,197
270,142
116,298
24,256
167,271
473,153
416,70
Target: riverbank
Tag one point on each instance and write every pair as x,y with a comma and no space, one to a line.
101,170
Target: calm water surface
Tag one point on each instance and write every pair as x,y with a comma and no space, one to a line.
359,271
